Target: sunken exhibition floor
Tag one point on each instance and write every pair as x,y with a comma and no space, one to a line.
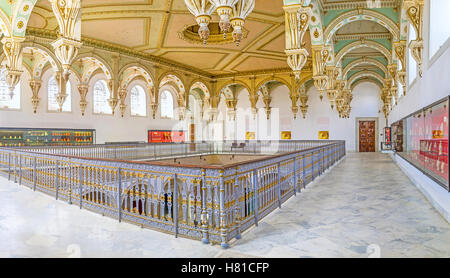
364,206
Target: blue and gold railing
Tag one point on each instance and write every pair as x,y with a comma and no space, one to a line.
207,203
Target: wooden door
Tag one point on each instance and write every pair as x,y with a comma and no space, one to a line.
192,132
192,137
367,136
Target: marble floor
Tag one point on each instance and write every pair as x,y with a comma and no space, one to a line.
363,207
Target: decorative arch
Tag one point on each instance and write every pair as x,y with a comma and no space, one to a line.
315,25
275,79
365,80
132,71
95,62
48,57
199,84
173,78
364,43
21,15
25,65
5,24
365,73
235,82
303,81
370,61
358,15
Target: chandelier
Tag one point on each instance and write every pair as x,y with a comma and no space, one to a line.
232,13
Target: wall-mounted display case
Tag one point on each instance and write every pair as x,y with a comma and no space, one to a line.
166,136
18,137
423,140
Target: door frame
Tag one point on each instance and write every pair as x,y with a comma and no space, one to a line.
363,119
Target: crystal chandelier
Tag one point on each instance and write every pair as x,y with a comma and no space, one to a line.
232,13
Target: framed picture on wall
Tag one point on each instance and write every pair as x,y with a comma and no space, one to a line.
250,135
286,135
324,135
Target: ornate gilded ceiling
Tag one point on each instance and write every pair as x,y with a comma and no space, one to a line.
332,43
153,27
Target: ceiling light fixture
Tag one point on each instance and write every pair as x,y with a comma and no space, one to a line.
232,13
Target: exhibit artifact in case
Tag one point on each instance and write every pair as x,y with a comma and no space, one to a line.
166,136
423,137
19,137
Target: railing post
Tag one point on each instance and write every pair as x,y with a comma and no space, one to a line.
70,183
255,197
15,167
20,169
312,166
279,184
223,230
57,179
9,166
80,185
205,236
175,203
119,195
34,174
237,209
304,171
295,176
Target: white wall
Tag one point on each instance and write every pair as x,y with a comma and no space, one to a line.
109,127
366,103
434,84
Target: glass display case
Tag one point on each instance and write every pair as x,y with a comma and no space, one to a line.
166,136
18,137
422,139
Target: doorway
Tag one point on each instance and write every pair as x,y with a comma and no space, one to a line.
367,136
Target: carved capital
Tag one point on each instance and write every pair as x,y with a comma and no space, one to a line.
400,51
12,48
66,50
83,90
35,86
320,82
297,19
320,56
416,47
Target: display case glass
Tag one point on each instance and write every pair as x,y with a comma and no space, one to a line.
423,140
166,136
19,137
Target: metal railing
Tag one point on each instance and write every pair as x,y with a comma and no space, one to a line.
208,203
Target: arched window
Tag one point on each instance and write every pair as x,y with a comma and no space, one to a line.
5,97
166,105
138,101
101,96
52,92
439,27
412,64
